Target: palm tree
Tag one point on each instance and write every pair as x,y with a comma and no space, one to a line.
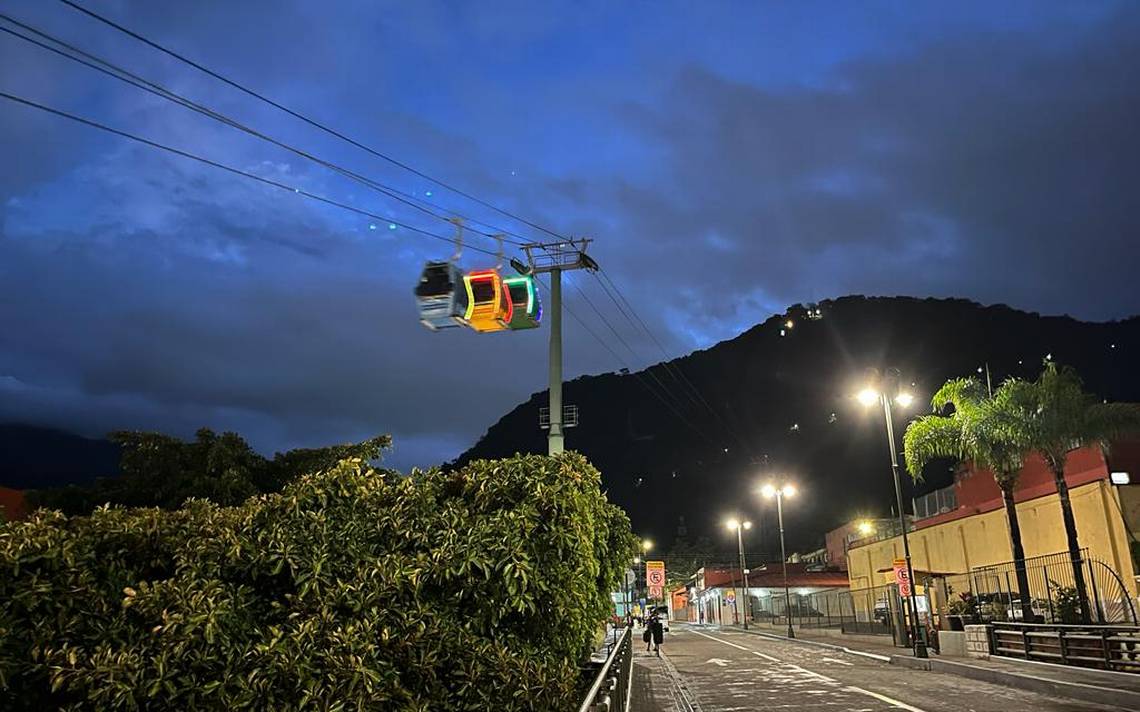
984,430
1061,416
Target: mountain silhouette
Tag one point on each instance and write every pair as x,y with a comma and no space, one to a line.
781,407
35,457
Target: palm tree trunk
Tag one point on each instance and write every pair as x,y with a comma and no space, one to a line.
1071,535
1018,551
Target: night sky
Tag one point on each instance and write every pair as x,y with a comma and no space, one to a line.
728,158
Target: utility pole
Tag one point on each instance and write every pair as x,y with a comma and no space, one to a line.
555,258
555,439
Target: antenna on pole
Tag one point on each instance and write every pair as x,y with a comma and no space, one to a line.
554,257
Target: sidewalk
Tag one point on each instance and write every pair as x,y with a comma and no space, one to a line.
1121,689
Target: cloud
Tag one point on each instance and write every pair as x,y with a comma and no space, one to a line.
992,157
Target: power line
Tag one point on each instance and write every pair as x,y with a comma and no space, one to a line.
124,75
224,167
297,115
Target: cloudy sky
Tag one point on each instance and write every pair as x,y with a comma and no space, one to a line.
728,158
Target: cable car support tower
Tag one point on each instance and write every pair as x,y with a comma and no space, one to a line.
555,258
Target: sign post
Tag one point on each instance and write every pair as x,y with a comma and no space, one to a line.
655,578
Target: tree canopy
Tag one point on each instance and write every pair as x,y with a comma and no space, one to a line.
163,471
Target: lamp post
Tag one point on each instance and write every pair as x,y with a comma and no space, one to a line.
868,397
787,490
646,546
739,527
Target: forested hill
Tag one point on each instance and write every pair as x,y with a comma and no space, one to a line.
782,405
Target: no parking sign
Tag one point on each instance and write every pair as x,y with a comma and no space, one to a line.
655,574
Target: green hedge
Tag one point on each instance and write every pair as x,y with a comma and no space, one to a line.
353,588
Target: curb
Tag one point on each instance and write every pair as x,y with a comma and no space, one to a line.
1031,683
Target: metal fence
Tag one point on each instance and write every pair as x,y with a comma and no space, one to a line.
612,682
936,502
991,593
868,611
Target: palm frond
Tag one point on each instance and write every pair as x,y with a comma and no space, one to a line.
929,438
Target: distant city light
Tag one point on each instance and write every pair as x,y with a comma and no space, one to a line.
428,193
371,226
392,226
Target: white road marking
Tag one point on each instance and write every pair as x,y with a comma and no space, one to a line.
769,658
837,660
738,647
883,698
719,662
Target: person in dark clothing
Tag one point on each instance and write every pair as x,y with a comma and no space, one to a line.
658,631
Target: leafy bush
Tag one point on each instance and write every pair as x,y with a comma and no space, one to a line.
476,589
1068,604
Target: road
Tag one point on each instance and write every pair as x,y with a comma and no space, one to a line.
708,669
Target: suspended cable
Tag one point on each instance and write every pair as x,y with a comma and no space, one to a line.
123,75
297,115
649,372
228,169
686,386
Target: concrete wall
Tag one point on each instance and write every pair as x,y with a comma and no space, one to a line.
983,539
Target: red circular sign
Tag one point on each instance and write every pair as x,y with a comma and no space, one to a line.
656,577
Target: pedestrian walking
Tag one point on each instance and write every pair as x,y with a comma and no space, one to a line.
658,634
647,635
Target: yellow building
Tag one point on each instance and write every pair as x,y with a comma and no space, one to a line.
974,533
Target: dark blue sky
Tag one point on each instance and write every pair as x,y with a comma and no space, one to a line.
729,159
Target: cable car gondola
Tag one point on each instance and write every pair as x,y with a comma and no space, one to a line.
442,301
525,305
489,306
440,296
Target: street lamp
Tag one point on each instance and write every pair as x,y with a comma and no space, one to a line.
739,527
769,491
884,391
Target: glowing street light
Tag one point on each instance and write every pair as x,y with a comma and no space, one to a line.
865,528
747,600
885,389
770,491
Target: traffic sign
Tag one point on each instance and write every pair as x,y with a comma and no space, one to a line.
902,577
730,597
655,574
656,592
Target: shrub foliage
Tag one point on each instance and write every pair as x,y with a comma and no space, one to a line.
352,588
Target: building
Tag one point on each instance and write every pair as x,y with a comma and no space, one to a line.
712,595
963,530
838,540
13,506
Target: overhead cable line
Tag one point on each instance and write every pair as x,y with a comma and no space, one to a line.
229,169
687,386
297,115
123,75
649,372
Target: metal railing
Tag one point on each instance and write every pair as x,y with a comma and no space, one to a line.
610,690
934,503
997,597
1114,647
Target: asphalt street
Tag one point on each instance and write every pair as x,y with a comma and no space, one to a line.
707,669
